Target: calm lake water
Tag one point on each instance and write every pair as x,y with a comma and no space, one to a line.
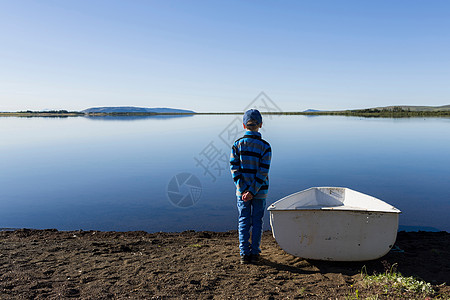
171,174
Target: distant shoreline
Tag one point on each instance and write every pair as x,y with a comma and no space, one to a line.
349,113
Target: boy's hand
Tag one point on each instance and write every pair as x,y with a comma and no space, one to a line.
247,196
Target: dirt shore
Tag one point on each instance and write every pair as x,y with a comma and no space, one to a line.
51,264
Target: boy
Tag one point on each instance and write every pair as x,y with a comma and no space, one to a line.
249,163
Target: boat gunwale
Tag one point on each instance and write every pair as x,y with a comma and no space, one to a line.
273,207
326,209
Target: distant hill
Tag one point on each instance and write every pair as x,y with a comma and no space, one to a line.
415,108
311,110
132,109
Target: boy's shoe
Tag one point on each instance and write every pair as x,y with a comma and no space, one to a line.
245,259
254,258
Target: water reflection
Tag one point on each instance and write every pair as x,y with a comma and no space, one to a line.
77,174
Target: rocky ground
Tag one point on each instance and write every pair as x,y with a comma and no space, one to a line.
50,264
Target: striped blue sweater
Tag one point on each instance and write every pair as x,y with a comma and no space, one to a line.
250,163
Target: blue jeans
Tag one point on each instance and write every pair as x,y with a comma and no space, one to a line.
251,215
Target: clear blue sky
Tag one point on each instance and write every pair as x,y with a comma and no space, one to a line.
219,55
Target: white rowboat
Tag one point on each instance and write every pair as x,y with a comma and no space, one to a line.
335,224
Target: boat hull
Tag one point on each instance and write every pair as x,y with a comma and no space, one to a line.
334,235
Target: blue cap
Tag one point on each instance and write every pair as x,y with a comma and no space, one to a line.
252,115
